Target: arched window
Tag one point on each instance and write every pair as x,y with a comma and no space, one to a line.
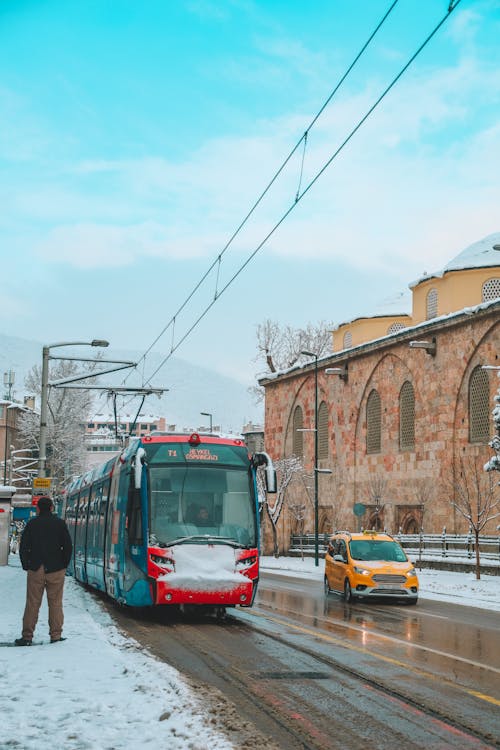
347,340
298,437
432,304
479,406
373,422
395,327
406,417
323,430
491,289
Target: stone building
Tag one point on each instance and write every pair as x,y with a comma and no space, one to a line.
404,407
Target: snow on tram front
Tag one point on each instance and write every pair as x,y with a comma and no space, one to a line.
173,520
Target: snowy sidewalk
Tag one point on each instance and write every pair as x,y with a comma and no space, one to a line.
94,691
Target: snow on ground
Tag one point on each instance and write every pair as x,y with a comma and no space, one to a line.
97,690
100,691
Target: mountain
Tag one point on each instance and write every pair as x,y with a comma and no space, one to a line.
191,389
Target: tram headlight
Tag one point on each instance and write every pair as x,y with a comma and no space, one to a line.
163,562
245,562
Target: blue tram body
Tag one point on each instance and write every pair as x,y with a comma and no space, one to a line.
133,535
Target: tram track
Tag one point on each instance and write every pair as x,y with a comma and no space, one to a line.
287,688
398,694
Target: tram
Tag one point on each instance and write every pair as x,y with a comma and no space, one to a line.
172,520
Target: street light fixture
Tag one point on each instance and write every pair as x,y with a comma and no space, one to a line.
316,471
42,459
207,414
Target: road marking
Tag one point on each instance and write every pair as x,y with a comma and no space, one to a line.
418,646
395,662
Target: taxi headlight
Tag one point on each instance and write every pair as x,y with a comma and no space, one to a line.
411,573
362,571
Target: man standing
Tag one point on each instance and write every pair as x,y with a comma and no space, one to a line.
45,552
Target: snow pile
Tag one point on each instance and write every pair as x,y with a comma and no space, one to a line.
212,571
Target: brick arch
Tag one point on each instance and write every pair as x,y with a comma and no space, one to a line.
325,522
410,523
372,381
477,355
299,400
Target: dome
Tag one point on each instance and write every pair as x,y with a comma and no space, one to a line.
482,254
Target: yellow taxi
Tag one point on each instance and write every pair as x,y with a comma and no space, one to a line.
369,564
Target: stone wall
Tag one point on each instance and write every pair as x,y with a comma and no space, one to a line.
398,487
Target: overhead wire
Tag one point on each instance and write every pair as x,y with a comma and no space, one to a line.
299,197
302,139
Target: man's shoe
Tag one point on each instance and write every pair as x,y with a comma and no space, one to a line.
56,640
22,642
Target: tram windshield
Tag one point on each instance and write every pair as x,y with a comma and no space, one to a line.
190,503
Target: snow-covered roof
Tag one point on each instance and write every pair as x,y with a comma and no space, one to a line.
105,418
482,254
414,329
396,305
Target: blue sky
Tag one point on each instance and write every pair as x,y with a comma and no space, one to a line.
134,137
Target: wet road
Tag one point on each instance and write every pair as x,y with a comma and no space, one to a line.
454,642
311,672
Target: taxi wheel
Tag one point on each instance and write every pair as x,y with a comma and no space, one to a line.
327,586
348,591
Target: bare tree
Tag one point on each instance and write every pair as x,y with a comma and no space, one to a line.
286,470
279,347
476,499
423,491
68,410
377,486
298,512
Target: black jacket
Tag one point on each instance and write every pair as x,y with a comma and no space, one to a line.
45,541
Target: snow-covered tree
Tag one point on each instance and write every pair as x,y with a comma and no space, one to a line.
476,498
67,414
286,470
279,347
494,462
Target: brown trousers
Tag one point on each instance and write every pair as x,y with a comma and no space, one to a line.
39,581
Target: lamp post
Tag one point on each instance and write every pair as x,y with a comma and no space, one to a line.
207,414
316,470
42,447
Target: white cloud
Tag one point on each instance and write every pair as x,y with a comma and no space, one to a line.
415,184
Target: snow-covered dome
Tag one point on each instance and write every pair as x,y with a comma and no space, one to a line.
482,254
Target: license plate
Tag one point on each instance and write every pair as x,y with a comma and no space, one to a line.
388,586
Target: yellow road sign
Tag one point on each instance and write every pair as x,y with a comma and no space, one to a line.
42,482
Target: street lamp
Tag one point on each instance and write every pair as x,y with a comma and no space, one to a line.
207,414
316,470
42,459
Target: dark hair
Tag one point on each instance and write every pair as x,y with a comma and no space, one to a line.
44,503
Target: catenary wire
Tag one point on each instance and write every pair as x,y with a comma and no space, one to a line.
299,197
302,139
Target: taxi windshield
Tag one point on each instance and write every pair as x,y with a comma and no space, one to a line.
371,549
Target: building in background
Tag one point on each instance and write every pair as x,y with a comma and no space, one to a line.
404,406
10,414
